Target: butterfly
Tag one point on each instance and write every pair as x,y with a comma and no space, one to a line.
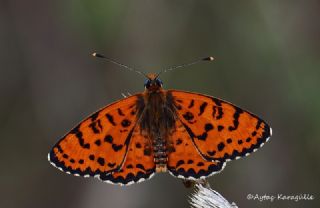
189,135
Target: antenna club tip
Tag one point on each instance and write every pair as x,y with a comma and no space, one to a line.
210,58
97,55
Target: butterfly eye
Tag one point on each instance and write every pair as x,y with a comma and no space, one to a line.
159,82
147,83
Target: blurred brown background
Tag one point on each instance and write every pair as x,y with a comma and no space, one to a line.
267,60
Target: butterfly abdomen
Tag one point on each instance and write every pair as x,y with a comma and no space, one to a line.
160,154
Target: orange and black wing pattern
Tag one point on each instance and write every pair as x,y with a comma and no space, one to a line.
184,161
219,130
139,163
99,145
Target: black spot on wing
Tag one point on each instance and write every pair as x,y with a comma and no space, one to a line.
59,148
79,135
133,112
147,152
220,113
116,148
236,116
94,127
179,101
91,157
188,116
191,104
203,136
99,125
140,166
111,165
94,116
120,112
229,140
180,162
208,127
217,112
108,138
110,119
129,166
138,145
125,123
100,160
220,128
179,141
179,107
211,153
98,142
259,122
216,101
202,108
221,146
200,164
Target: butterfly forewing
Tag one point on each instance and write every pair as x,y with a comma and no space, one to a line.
98,145
219,130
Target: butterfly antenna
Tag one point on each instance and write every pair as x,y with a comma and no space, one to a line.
98,55
210,58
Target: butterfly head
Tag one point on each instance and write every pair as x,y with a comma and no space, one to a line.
153,83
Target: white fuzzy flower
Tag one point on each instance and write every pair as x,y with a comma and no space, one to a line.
205,197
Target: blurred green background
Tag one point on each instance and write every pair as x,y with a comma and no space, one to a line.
267,61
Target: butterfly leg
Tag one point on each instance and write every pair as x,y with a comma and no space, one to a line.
191,183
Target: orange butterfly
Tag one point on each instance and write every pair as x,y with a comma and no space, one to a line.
190,135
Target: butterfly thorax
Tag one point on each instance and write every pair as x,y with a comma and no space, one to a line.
157,120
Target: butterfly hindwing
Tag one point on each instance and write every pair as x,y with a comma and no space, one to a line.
219,130
98,145
139,162
184,161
